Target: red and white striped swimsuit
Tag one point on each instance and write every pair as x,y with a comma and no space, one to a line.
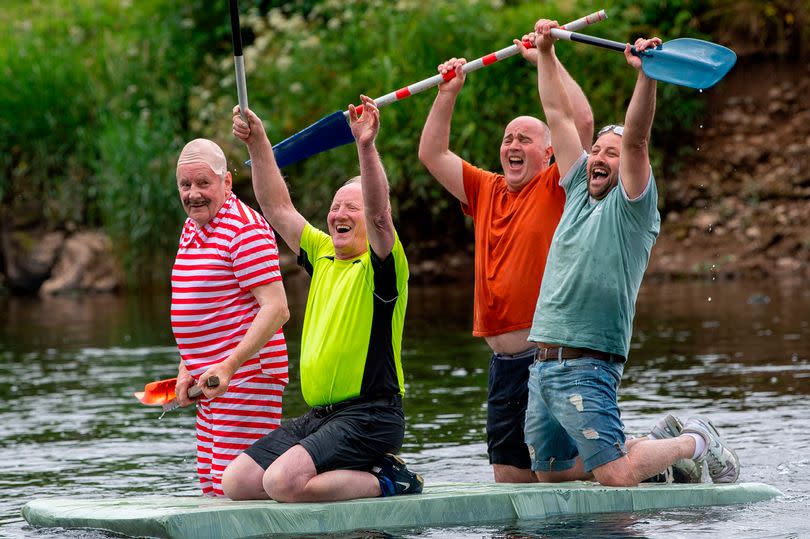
212,308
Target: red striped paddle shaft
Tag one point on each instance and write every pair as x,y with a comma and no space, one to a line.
474,65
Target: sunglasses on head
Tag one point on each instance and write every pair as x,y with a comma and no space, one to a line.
612,128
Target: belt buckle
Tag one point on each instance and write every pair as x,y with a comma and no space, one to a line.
545,356
322,411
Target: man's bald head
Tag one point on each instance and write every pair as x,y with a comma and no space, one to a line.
204,151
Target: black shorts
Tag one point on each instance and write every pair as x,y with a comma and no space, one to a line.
353,437
506,408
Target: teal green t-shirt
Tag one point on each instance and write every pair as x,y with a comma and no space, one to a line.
352,336
595,265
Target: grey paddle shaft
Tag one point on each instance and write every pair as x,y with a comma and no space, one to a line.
590,40
238,59
195,391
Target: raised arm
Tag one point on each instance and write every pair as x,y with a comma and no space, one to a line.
583,115
434,145
634,167
373,181
268,184
554,98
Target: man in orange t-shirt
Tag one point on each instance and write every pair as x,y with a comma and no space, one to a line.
515,215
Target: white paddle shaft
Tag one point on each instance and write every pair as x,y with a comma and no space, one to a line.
478,63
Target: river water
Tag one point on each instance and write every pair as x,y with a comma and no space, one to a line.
736,351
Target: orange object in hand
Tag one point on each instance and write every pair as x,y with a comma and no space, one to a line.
157,393
161,393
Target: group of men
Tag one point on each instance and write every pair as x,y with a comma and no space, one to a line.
562,233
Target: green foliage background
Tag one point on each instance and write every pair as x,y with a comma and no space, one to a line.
98,97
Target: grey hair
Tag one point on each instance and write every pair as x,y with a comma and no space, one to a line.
350,181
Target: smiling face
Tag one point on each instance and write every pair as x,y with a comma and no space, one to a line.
603,165
347,222
202,191
525,151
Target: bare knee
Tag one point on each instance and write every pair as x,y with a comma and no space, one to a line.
512,474
575,473
615,474
281,486
571,474
242,479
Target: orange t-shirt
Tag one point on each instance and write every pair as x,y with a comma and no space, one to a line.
513,233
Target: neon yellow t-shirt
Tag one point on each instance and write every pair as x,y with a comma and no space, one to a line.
352,336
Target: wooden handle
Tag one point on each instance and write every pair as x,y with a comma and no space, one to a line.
195,391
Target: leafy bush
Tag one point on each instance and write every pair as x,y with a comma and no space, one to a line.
99,96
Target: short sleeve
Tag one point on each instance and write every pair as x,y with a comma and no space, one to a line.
577,174
254,256
314,244
473,178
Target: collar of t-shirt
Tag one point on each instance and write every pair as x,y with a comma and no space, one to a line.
192,233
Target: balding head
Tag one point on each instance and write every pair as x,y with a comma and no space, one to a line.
525,151
203,180
204,151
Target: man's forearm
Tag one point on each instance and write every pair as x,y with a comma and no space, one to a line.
435,138
374,182
268,185
640,111
267,322
552,90
583,115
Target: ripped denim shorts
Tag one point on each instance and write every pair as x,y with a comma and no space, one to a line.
573,411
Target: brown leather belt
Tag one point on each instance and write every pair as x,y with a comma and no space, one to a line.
549,352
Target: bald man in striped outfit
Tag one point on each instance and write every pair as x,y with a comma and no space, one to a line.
228,306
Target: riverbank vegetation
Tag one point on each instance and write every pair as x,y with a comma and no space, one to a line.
98,97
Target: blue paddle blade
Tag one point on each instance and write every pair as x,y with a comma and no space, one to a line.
327,133
688,62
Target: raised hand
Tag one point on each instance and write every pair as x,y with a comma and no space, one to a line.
365,127
641,45
454,85
542,29
528,53
249,131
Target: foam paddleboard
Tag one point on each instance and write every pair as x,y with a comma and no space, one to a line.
439,505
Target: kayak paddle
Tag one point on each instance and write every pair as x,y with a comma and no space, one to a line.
333,131
685,61
238,59
161,393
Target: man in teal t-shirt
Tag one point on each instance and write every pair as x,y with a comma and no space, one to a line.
584,316
351,369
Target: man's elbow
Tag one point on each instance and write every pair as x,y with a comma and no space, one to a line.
277,214
425,154
284,313
585,127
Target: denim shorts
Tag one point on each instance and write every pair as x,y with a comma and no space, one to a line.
506,408
573,411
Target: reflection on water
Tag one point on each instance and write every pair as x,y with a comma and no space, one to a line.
739,352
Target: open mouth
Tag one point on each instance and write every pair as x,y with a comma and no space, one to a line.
599,173
341,229
515,161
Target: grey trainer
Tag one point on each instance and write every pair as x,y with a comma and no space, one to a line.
668,426
683,470
722,461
